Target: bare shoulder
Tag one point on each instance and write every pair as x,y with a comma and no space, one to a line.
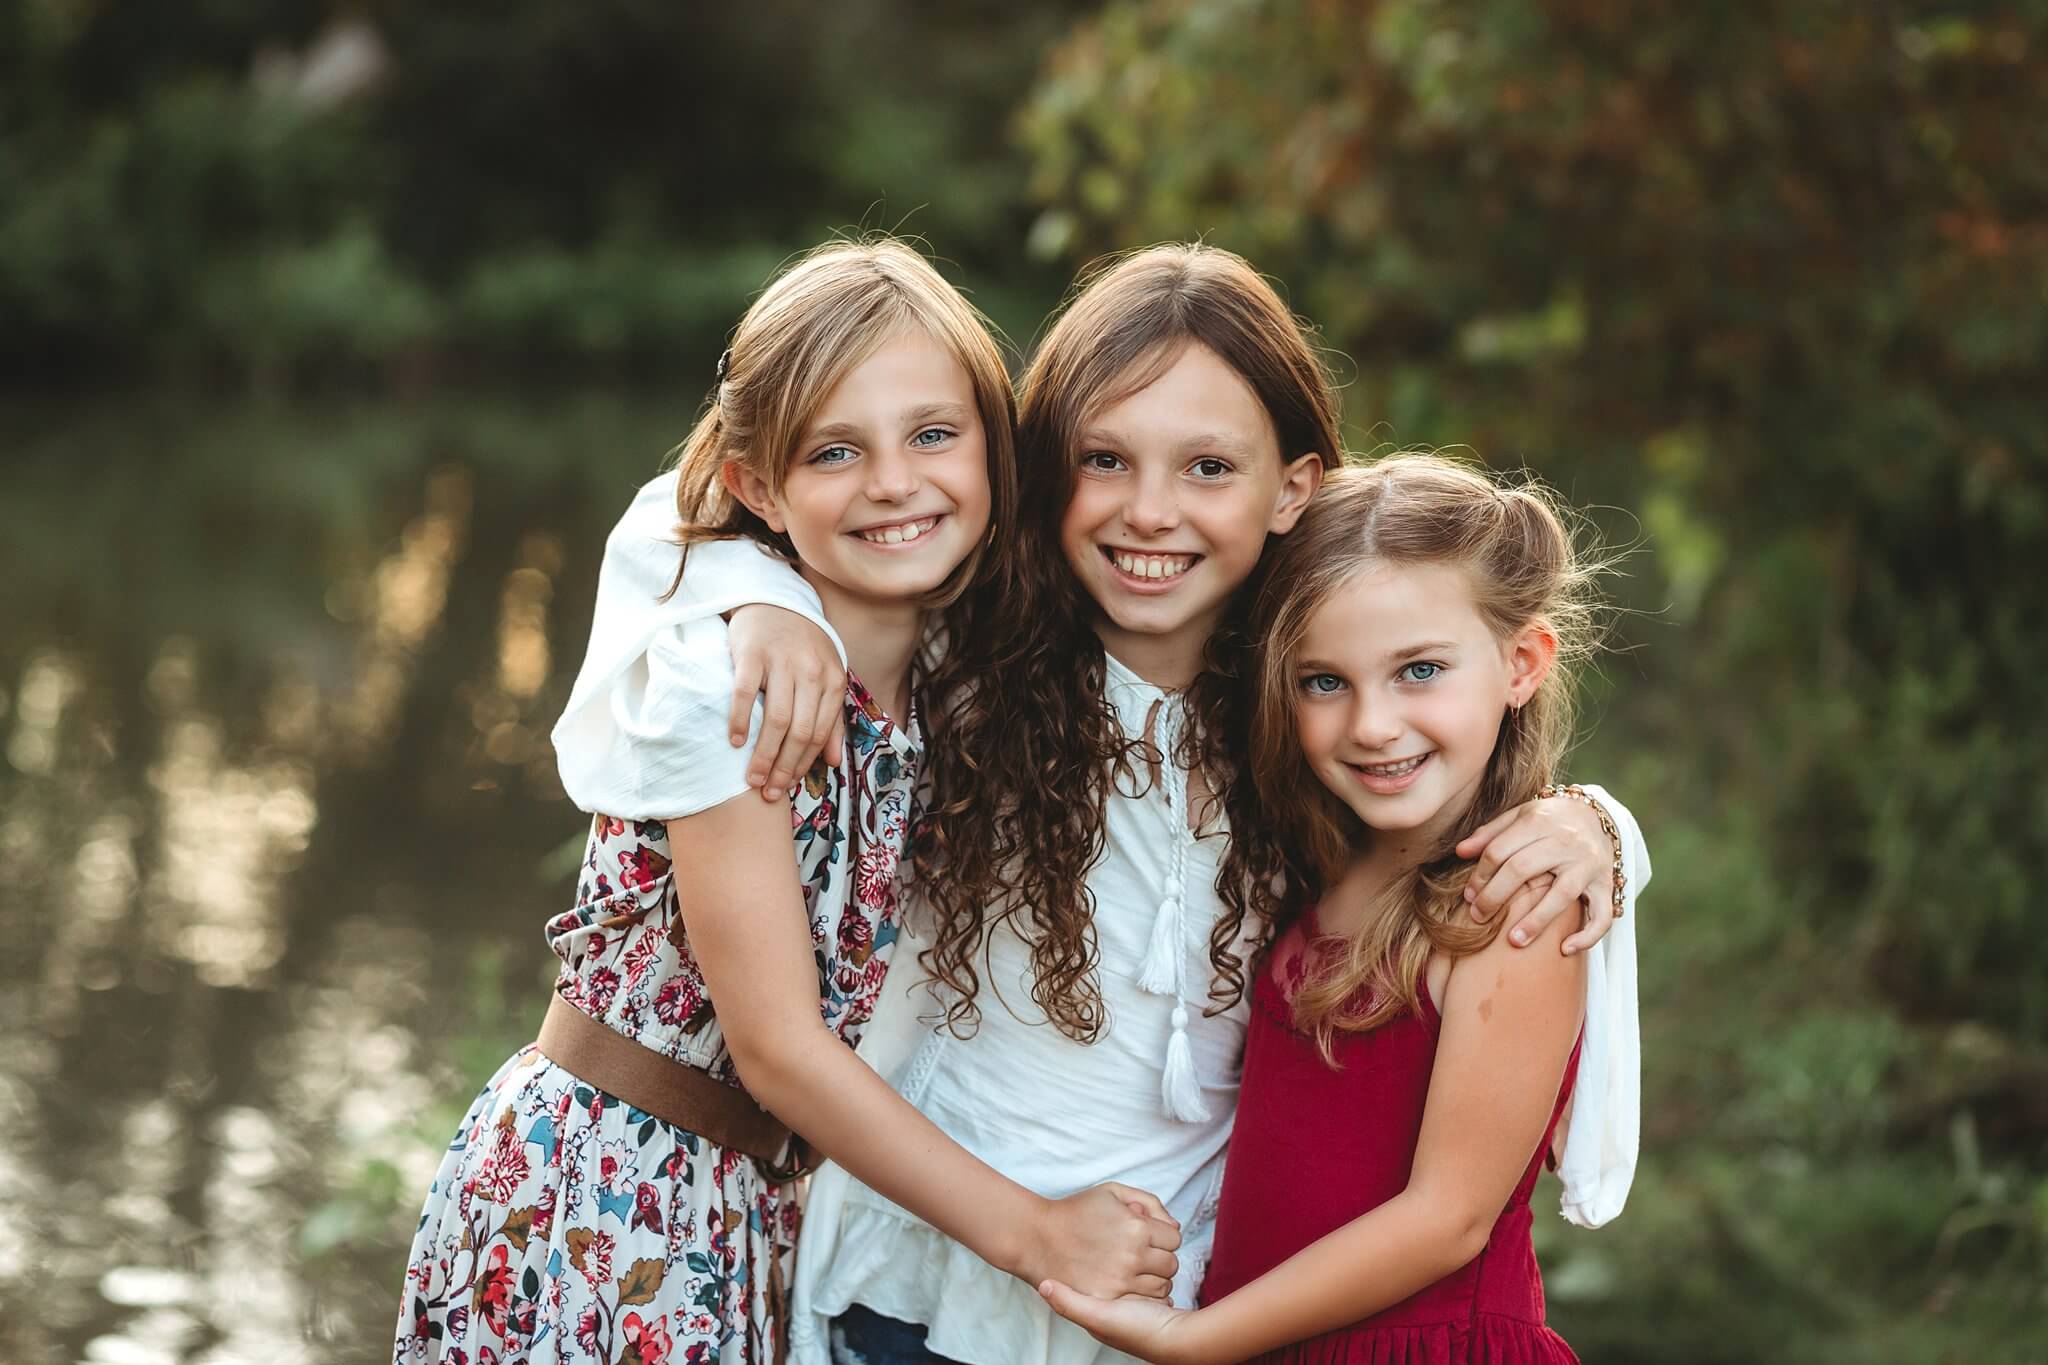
1539,972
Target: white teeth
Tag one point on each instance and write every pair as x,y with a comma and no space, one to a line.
1401,769
897,535
1152,566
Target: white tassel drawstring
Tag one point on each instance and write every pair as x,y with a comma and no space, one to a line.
1165,968
1162,970
1159,974
1179,1087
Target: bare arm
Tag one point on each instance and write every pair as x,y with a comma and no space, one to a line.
1509,1021
744,911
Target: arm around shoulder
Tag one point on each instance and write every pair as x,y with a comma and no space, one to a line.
744,911
1635,850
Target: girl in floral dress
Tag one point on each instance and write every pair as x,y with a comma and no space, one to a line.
861,431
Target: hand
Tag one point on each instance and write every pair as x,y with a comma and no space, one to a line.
1146,1328
1537,861
1109,1240
786,658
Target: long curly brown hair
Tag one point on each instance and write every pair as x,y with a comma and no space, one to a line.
1028,744
1517,548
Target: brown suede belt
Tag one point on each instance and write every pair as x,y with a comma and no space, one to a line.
671,1090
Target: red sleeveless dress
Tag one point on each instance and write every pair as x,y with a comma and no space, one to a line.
1315,1148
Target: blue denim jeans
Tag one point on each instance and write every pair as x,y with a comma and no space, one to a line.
861,1336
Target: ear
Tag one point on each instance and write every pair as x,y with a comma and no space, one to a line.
1530,656
1298,483
753,492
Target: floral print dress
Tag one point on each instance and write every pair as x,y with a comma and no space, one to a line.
566,1225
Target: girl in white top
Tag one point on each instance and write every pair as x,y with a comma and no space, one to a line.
861,432
1087,962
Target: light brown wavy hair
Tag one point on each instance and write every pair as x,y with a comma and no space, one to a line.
1516,547
812,326
1022,765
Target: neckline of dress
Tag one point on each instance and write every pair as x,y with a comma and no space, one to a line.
1121,674
907,737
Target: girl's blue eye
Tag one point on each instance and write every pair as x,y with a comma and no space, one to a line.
1421,671
936,435
1321,684
833,455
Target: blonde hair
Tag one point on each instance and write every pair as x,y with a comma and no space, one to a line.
1515,546
809,329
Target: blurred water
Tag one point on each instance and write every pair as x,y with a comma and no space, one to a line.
278,830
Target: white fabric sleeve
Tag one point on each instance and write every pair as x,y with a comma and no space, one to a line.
654,744
725,575
1600,1146
644,733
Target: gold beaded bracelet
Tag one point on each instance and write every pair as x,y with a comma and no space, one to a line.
1578,793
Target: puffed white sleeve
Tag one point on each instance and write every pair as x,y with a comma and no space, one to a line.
653,743
644,733
1600,1147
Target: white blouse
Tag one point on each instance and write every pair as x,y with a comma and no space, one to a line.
1149,1104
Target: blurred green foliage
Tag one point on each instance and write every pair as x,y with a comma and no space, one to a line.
1773,278
277,193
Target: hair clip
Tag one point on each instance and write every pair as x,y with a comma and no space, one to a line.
724,364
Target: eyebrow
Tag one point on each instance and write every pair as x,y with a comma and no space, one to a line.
1395,656
1221,442
918,416
928,412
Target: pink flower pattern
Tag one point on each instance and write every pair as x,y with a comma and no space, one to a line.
568,1225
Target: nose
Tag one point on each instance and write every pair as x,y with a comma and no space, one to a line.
1375,722
1152,509
892,477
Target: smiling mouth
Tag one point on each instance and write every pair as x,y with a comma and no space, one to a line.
899,532
1391,779
1397,769
1151,568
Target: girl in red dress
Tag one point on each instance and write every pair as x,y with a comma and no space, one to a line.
1405,1068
